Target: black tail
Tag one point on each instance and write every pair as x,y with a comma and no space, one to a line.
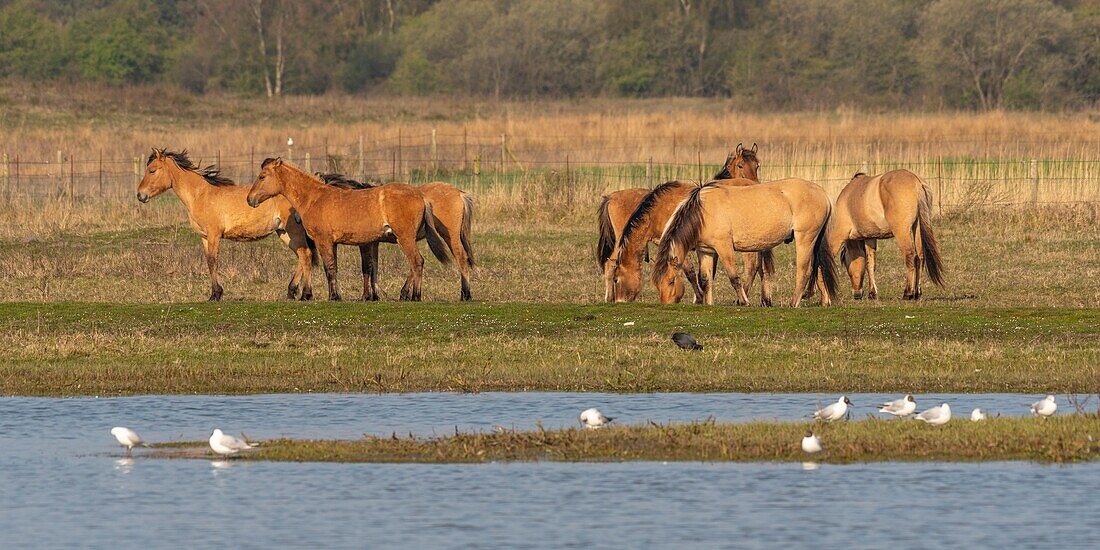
824,262
926,240
467,224
435,241
682,232
312,250
606,245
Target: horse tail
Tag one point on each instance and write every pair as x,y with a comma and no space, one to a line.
464,233
312,250
823,261
431,234
606,245
926,239
681,232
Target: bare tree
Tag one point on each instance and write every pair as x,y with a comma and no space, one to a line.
279,29
987,44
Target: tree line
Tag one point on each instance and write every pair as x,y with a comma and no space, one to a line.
984,54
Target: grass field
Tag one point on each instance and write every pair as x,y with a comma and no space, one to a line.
108,349
100,290
1059,439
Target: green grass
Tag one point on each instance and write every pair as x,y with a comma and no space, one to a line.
1059,439
250,347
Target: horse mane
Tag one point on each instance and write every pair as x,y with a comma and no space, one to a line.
641,213
342,181
212,175
682,230
858,174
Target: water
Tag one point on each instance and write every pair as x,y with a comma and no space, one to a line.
64,483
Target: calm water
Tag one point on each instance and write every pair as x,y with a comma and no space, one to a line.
63,483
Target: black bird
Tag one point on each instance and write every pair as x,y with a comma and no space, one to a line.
686,341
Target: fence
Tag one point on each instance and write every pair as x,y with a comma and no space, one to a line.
511,163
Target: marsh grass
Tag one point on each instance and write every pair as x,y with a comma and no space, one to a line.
1059,439
243,347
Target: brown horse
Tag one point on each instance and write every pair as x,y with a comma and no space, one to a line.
750,218
648,220
333,216
453,211
217,209
895,204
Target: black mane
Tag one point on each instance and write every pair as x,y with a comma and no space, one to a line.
342,181
212,175
641,213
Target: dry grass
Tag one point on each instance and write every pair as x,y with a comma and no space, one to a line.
1059,439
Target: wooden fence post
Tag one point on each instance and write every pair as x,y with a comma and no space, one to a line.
503,150
362,167
939,185
7,173
649,172
72,178
435,162
465,154
400,161
137,170
1034,182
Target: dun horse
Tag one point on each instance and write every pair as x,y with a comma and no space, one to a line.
630,219
217,209
895,204
453,211
751,218
333,216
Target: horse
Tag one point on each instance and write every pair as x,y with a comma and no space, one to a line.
754,218
217,209
896,204
624,272
453,211
333,216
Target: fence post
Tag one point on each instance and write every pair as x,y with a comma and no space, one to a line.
309,163
503,149
362,168
649,172
60,174
939,185
1034,182
435,163
400,161
137,170
465,154
7,173
72,178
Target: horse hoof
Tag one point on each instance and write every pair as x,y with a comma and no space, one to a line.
858,295
766,302
335,298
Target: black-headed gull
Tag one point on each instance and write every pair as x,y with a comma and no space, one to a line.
1044,407
836,411
811,444
593,419
127,438
977,415
936,416
226,444
901,407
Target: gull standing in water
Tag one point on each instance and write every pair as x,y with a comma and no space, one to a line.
594,419
977,415
901,407
836,411
127,438
1044,407
226,444
811,443
936,416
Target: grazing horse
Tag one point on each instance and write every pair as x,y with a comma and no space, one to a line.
751,218
453,211
895,204
217,209
648,220
333,216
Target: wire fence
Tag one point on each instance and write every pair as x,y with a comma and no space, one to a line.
513,164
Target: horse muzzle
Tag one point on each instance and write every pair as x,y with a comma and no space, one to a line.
253,202
142,197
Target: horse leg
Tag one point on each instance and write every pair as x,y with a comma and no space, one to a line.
870,247
728,255
463,261
368,255
909,253
210,244
608,282
765,284
804,261
327,251
753,265
693,278
292,287
855,261
411,290
708,265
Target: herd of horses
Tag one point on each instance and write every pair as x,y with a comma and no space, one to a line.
733,213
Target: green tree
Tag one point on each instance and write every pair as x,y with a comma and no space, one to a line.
29,43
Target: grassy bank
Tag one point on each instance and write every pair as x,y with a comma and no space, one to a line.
1059,439
244,347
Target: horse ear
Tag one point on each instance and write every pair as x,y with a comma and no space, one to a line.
158,153
753,147
729,158
739,148
277,162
